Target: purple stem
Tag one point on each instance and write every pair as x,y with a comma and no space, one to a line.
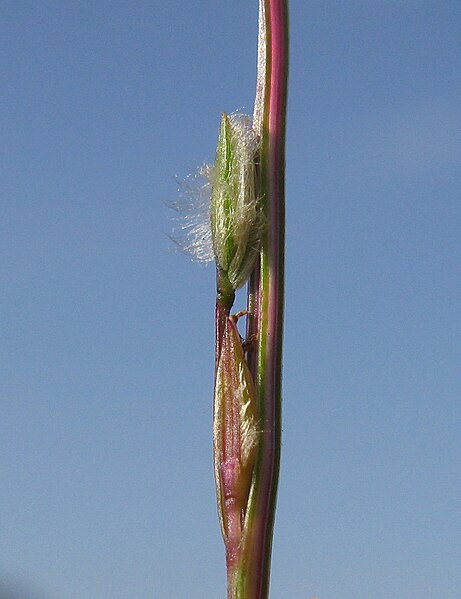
266,295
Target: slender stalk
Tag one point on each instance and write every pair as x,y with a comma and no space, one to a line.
250,580
224,302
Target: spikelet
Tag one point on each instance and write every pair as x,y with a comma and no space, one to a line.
234,434
235,212
219,214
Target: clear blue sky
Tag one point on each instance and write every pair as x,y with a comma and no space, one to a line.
106,353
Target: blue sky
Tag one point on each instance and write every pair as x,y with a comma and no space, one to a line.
106,358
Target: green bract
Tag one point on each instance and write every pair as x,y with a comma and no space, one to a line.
235,214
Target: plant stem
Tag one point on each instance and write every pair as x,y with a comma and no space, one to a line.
224,301
250,580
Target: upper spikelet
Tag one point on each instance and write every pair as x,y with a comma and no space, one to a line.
234,210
